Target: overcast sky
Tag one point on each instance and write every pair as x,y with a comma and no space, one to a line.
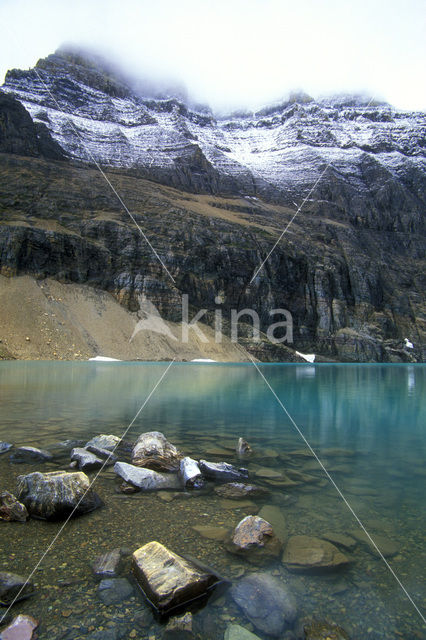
237,53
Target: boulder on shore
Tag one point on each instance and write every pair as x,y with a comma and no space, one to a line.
57,494
10,509
167,579
153,451
266,602
11,585
222,471
147,479
21,628
103,441
310,554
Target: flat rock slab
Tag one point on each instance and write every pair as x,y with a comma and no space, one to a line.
167,579
147,479
323,630
30,454
239,490
266,472
107,565
222,471
21,628
5,447
235,632
114,590
272,514
386,546
10,509
57,495
340,540
241,504
266,601
11,585
153,451
106,455
86,460
103,441
211,532
309,554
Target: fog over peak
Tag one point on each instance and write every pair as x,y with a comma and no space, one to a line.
234,55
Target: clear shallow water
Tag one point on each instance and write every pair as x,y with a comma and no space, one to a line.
375,413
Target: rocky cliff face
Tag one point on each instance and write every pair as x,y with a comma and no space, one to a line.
350,269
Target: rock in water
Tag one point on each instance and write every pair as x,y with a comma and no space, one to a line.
222,471
179,628
168,580
253,535
30,454
11,585
323,630
103,442
235,632
238,490
5,446
147,479
86,461
266,602
114,590
309,554
21,628
105,454
106,566
272,514
244,450
11,509
191,474
153,451
55,495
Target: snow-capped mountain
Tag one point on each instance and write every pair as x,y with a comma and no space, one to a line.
278,152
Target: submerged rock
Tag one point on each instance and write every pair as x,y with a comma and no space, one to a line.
5,447
10,509
235,632
266,602
310,554
254,535
167,579
386,546
211,532
11,585
114,590
244,450
153,451
239,490
179,628
340,540
146,479
272,514
323,630
58,494
222,471
106,565
30,454
104,442
21,628
86,461
191,473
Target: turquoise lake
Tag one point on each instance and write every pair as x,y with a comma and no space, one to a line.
366,423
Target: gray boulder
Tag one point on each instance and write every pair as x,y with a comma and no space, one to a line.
147,479
266,601
13,586
86,460
30,454
191,473
254,537
107,456
57,495
223,471
103,442
153,451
